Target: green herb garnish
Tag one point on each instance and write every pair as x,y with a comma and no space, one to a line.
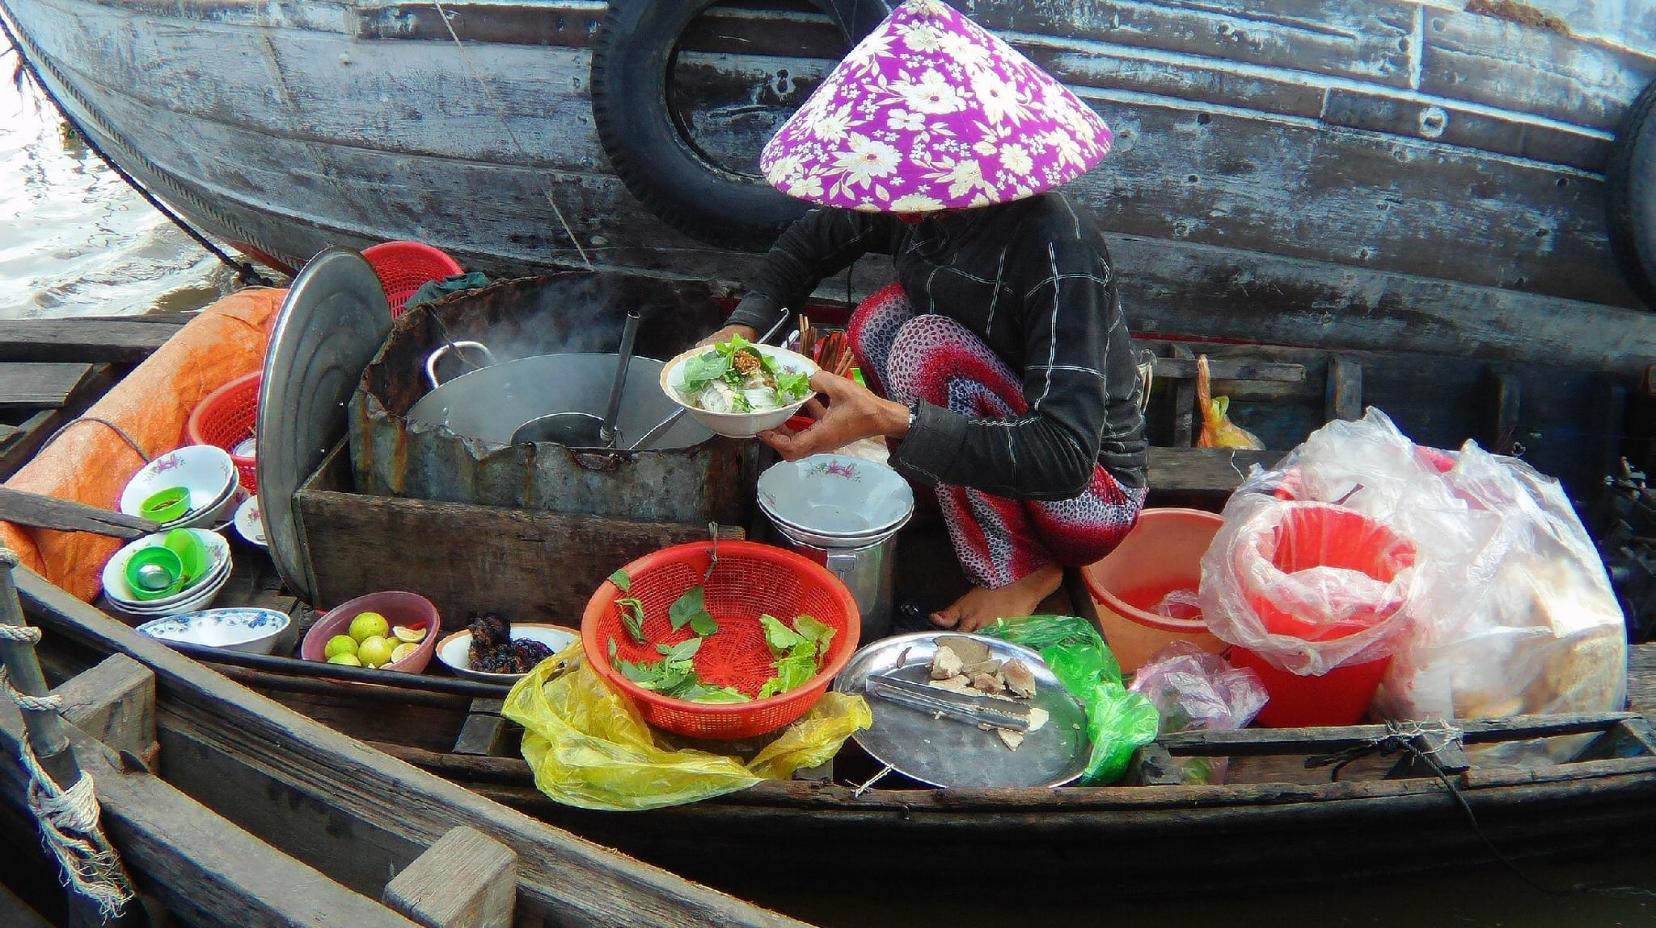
792,387
623,580
692,608
632,616
798,652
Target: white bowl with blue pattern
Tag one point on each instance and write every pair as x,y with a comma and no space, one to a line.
253,631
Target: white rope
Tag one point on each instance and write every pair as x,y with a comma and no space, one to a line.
69,818
20,633
506,122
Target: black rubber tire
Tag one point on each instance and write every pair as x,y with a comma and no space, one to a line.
1630,196
632,64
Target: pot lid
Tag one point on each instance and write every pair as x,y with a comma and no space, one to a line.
334,319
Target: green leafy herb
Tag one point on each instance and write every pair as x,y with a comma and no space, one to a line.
632,616
728,348
682,651
798,652
674,675
708,693
623,580
692,608
702,370
791,386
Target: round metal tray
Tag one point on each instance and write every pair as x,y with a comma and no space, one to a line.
948,753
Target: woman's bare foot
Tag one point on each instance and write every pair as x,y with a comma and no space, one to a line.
980,607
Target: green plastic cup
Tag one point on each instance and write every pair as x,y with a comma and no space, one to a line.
154,573
167,505
191,553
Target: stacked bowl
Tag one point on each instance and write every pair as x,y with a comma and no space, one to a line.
168,573
191,487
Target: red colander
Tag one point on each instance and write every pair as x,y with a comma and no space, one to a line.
750,579
225,418
405,267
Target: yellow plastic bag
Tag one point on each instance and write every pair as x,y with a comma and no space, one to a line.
1217,429
590,748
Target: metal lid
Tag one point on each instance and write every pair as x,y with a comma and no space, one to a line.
947,753
334,319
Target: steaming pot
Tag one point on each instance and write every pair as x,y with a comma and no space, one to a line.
553,339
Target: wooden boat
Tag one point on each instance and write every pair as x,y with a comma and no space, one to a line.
1409,175
319,753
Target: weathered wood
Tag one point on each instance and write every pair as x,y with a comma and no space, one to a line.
1641,678
201,866
114,702
484,731
36,510
125,341
1185,424
1231,369
1508,395
1302,740
39,428
1203,470
498,562
1345,389
297,666
16,913
562,877
34,385
466,880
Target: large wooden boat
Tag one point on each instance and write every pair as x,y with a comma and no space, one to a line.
1365,174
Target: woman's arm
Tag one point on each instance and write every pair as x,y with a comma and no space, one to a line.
818,244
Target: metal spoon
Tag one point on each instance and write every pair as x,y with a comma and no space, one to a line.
583,429
153,577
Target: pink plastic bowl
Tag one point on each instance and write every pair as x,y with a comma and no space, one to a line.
398,607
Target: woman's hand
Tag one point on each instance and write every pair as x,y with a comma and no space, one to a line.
853,412
723,335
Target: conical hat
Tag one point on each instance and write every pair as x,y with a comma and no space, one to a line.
931,112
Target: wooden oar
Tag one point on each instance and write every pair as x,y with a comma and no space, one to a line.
37,511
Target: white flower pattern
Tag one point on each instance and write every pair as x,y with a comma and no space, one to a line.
931,112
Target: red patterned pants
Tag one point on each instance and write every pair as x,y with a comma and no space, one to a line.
906,356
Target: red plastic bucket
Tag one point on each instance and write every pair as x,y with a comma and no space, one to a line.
1319,535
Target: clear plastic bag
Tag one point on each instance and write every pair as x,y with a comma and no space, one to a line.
1119,722
1195,690
1509,611
588,746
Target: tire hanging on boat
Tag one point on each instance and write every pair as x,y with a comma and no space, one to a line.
632,77
1630,195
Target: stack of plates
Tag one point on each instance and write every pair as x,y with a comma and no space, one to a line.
205,471
835,500
198,594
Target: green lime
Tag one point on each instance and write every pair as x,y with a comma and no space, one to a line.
339,644
349,660
368,625
375,650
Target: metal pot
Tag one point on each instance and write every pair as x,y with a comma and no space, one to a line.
453,443
866,570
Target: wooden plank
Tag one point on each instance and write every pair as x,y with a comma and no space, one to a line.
1252,741
38,511
43,425
562,877
466,880
15,913
125,341
202,867
1503,434
1231,369
1203,470
1345,389
1641,678
1185,425
114,702
484,731
30,385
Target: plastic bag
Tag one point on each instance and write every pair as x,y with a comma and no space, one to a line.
1195,690
588,746
1118,722
1217,429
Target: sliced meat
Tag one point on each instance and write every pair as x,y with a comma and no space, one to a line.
1019,679
945,664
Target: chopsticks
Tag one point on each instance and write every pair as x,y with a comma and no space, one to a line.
832,352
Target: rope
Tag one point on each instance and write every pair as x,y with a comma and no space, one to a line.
506,122
125,435
245,272
69,818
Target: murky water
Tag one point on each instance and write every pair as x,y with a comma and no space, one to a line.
74,239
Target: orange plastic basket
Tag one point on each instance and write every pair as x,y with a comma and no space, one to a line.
750,579
405,267
225,418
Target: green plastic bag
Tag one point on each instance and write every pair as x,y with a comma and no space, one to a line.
589,747
1118,722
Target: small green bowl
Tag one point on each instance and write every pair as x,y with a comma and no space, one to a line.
166,506
191,553
170,564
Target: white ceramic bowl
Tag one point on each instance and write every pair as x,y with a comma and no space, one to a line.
250,524
119,592
835,500
254,631
207,472
455,649
737,424
199,599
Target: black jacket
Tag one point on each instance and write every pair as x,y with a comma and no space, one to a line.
1032,278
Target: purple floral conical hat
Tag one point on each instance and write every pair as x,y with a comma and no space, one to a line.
931,112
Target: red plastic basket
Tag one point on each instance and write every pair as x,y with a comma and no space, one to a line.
227,417
750,579
405,267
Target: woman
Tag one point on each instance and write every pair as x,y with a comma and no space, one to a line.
999,361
